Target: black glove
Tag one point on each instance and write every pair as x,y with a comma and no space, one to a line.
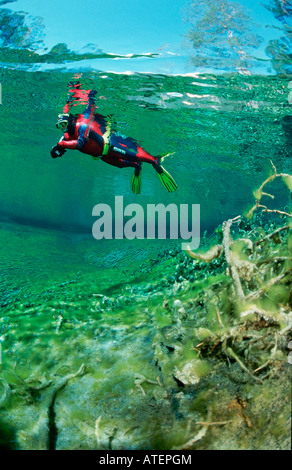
57,151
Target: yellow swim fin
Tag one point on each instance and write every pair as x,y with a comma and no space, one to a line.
165,155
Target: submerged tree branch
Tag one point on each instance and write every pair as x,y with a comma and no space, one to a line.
273,234
233,270
259,194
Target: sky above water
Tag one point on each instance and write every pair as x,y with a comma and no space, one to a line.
117,26
130,26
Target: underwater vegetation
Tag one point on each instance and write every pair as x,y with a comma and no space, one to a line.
120,344
191,354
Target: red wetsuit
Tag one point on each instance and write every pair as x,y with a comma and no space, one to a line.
86,133
90,134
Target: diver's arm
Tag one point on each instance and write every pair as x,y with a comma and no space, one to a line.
58,150
66,143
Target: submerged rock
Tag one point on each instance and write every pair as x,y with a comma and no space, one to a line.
191,372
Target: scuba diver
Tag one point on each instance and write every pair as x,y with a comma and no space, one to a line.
91,134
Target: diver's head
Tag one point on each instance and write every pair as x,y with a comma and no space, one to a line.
63,121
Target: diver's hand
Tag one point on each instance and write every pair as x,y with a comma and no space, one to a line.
57,151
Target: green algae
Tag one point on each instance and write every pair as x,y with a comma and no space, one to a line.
161,336
157,367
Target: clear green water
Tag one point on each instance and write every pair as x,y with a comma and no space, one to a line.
69,300
223,132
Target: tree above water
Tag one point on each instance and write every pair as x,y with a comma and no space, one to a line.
282,9
18,29
280,50
222,34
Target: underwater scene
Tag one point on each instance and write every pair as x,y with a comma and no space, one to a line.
146,225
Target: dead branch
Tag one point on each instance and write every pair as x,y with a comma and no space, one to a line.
254,310
271,235
259,194
226,244
274,260
214,423
46,423
194,439
275,211
211,254
232,354
270,283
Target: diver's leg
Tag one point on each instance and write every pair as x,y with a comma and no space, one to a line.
115,160
136,179
118,162
142,156
130,151
165,178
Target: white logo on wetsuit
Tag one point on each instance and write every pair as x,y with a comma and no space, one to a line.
116,149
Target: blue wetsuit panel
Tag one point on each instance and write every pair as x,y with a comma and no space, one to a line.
125,146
